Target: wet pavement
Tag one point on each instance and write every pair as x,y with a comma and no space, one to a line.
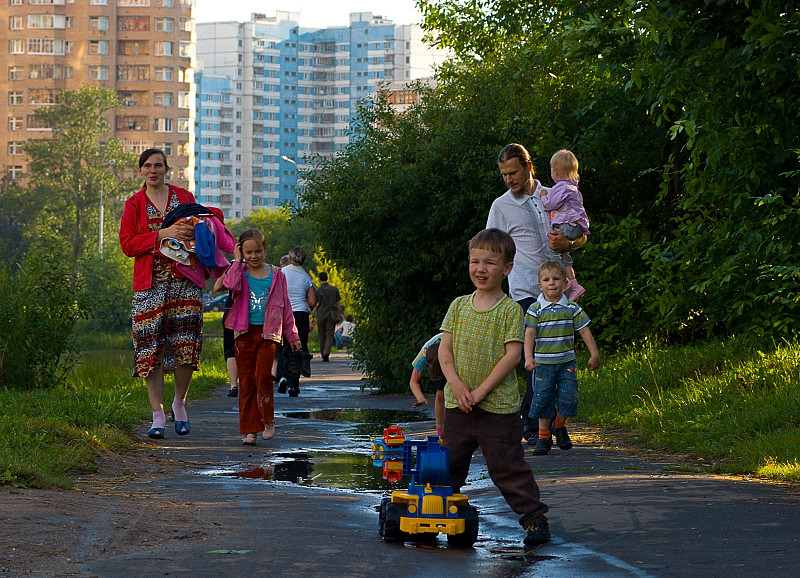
305,502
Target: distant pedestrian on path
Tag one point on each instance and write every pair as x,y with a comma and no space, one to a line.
343,335
228,348
328,313
551,323
429,356
260,316
482,336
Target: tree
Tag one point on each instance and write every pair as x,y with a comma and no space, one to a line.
282,231
67,171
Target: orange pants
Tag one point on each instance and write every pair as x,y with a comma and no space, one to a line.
254,357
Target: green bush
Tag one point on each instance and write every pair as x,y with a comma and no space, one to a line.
38,311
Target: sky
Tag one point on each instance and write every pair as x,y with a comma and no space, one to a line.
313,13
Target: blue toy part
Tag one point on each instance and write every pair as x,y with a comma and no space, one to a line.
432,464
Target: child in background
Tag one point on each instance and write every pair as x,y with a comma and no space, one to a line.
551,323
429,355
481,346
260,315
343,333
565,203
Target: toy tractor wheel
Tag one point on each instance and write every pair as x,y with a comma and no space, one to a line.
390,522
467,538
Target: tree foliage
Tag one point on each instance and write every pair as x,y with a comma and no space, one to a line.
684,118
68,170
38,311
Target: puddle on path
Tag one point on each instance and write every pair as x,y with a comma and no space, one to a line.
365,421
341,470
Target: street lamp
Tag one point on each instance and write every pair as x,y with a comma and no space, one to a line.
102,190
288,160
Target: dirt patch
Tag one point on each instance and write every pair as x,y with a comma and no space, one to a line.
56,531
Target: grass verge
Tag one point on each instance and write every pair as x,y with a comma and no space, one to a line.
733,406
48,435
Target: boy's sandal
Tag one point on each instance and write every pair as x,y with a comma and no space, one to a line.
249,439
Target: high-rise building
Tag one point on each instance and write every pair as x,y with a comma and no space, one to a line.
292,92
143,49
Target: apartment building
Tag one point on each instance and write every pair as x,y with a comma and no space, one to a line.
291,93
143,49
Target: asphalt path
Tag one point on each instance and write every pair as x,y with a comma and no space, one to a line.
304,503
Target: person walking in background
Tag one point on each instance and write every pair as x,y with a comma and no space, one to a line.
167,309
482,336
551,323
429,356
328,314
303,297
567,214
519,213
228,348
260,316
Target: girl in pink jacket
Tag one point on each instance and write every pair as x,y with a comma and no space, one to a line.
260,316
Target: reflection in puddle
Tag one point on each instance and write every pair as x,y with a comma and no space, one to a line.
339,470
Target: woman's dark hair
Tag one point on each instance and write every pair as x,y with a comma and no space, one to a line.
150,152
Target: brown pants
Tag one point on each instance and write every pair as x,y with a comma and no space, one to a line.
254,357
499,437
325,329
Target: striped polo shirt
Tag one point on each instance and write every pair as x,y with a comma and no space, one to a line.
555,325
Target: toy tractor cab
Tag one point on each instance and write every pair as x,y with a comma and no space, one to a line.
429,506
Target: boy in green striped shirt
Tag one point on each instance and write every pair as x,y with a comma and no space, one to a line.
550,326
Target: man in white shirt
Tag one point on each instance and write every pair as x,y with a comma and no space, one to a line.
519,213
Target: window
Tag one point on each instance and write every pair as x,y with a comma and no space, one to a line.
137,23
185,50
183,99
133,47
47,21
98,22
15,3
49,70
44,96
131,122
14,123
162,124
140,3
15,172
16,46
162,74
98,47
183,125
15,23
163,48
46,46
163,24
162,99
165,146
14,148
133,72
46,2
163,3
98,73
185,75
15,98
98,2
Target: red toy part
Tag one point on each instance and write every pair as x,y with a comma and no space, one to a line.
393,436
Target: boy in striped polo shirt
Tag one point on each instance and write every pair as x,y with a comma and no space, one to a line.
550,326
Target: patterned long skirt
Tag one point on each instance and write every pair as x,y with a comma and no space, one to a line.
168,319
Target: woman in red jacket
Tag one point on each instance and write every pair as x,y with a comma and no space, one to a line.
167,307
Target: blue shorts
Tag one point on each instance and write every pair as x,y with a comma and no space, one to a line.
555,385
